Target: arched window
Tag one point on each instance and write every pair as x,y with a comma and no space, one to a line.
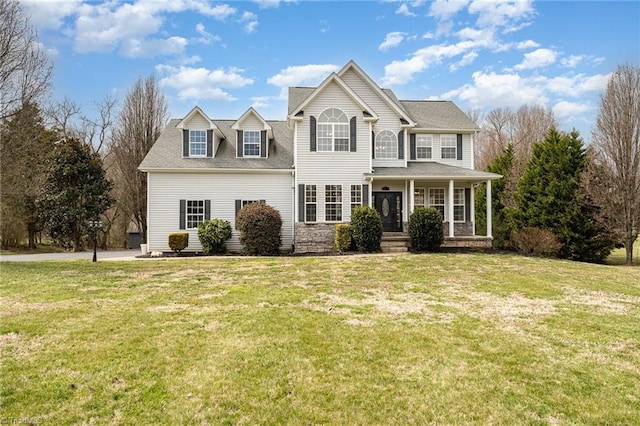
333,130
387,145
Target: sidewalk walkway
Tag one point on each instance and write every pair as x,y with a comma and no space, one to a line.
109,254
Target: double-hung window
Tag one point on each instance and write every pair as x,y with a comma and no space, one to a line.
424,147
197,143
458,205
195,213
333,131
436,199
251,143
448,146
333,203
419,199
310,203
386,145
356,196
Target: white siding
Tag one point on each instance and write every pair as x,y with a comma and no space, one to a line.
467,155
197,122
389,119
251,122
167,189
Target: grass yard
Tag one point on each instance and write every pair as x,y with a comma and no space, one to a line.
380,339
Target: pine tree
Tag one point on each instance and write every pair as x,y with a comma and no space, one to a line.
502,165
549,197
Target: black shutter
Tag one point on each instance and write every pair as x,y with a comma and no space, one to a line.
183,214
459,147
240,144
238,207
207,209
467,205
263,143
352,130
312,133
185,142
301,196
401,145
373,145
210,143
412,147
365,194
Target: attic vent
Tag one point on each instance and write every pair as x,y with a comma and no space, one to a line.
300,114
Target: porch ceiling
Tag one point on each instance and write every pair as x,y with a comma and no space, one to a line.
431,171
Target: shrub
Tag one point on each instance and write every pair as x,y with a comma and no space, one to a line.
260,228
426,230
532,241
213,234
342,240
366,229
178,241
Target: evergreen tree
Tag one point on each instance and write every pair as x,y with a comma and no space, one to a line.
501,165
549,197
77,191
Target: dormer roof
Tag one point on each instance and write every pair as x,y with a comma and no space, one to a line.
183,124
237,125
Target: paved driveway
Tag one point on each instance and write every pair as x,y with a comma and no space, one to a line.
110,254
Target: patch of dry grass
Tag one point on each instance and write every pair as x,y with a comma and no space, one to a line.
380,339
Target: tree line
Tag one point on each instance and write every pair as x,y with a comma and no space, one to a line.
558,195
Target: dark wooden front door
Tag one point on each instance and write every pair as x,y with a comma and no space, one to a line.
389,206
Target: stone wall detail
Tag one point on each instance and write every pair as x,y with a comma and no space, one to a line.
314,237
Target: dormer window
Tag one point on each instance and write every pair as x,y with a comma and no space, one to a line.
251,142
333,131
197,143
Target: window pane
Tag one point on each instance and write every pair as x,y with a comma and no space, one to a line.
197,143
195,213
386,145
251,143
418,197
310,203
356,196
333,203
424,144
448,145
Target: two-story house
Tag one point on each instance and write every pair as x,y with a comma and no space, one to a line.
345,143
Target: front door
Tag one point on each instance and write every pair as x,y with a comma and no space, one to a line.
389,206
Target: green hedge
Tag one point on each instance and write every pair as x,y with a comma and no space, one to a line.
260,229
342,239
178,241
213,235
366,229
426,230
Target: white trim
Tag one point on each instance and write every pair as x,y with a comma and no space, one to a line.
244,134
213,170
450,210
191,155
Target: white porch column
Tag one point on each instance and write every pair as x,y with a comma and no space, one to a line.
489,224
412,202
472,209
450,209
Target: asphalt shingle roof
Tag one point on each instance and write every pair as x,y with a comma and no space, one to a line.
443,115
431,170
166,153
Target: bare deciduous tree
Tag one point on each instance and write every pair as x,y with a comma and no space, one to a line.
142,118
617,138
25,71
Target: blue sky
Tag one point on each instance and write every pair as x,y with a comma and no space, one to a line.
228,56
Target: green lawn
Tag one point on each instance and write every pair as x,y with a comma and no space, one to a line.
399,339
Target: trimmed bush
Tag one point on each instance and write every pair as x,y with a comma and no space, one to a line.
260,229
342,239
178,241
366,229
213,235
531,241
426,229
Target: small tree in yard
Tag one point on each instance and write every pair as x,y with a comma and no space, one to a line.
260,229
213,235
366,229
426,229
178,241
76,192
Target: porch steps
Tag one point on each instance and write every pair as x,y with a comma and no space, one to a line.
394,242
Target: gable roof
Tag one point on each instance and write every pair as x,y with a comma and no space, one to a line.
297,95
334,78
197,110
439,115
251,111
166,153
392,102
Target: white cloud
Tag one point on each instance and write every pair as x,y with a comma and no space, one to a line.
528,44
206,37
146,48
250,21
445,9
261,101
577,85
467,59
50,15
564,109
500,13
537,59
311,75
403,9
202,83
500,90
392,40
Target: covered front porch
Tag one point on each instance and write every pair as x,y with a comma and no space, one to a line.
397,191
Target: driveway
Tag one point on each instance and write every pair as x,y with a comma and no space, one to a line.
109,254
